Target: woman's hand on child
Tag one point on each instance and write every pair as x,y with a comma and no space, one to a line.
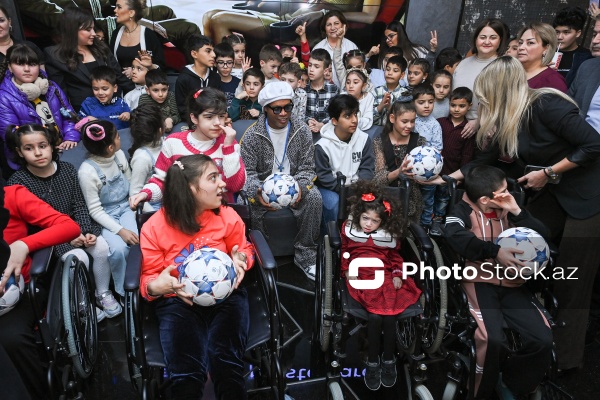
594,10
165,283
433,43
246,64
67,145
145,58
506,257
470,129
262,201
127,72
124,116
18,254
535,180
229,133
128,236
397,282
137,199
507,202
239,262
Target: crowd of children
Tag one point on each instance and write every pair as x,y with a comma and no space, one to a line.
314,111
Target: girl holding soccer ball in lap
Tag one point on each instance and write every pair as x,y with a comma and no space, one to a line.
197,340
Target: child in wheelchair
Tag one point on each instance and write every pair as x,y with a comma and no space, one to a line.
373,230
496,298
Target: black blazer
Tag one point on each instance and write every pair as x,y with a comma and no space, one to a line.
585,84
78,84
555,130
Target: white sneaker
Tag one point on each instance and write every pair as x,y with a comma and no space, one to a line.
100,315
111,306
12,294
310,271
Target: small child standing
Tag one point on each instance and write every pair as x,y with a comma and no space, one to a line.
157,92
147,128
457,150
138,76
238,43
292,73
430,129
418,72
344,148
391,92
104,179
270,60
442,85
225,61
343,62
318,91
448,59
245,104
377,75
374,229
357,86
104,105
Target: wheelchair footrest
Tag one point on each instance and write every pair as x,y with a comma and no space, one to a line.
553,391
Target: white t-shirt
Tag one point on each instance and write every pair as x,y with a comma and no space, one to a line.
278,138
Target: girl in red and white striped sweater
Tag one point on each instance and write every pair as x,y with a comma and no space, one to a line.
207,110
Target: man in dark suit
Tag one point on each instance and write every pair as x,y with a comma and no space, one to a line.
585,89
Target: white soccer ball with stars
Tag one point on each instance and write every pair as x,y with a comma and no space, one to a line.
209,275
536,252
426,162
280,190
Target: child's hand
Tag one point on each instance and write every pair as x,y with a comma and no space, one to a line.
397,282
242,95
433,43
18,254
254,112
373,52
127,72
297,203
229,133
169,124
385,102
67,145
79,241
507,202
314,125
90,240
165,283
124,116
506,258
246,64
128,236
239,262
294,58
262,201
137,199
301,31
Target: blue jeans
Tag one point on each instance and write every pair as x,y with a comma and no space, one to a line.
331,205
200,340
428,195
442,197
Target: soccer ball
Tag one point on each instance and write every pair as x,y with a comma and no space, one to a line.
12,294
426,162
209,275
280,190
536,252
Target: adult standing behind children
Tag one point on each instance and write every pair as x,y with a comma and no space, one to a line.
71,62
278,144
28,96
7,40
489,41
157,92
568,198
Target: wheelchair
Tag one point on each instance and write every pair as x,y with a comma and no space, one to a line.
458,345
66,329
337,317
145,357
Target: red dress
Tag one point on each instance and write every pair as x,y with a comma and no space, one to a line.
387,300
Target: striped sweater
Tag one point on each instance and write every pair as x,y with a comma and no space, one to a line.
228,160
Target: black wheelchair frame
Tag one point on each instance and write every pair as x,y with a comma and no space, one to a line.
265,339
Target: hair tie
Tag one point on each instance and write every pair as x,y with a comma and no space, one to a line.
277,47
388,207
179,164
238,34
368,197
198,93
15,128
95,137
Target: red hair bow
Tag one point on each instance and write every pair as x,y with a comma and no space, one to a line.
368,197
198,93
388,208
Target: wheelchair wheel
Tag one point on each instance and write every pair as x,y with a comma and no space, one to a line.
323,286
335,391
135,373
79,313
406,335
422,393
434,332
450,391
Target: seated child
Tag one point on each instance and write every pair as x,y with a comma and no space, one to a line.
357,86
318,91
430,129
238,43
441,81
391,92
344,148
225,60
138,76
157,92
374,229
245,104
495,296
292,73
457,150
448,59
104,105
303,79
147,129
418,72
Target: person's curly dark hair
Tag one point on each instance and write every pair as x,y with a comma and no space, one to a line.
393,222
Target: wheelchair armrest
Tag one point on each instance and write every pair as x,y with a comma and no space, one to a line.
40,261
263,251
334,234
421,236
134,269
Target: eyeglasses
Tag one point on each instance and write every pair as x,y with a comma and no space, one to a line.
277,110
391,36
226,63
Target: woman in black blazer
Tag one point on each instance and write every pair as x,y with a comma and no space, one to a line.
543,128
70,63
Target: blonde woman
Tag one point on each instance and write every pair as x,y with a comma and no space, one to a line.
537,46
543,128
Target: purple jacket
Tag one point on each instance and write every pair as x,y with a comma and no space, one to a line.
15,109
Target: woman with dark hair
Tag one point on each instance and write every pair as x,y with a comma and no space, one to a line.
197,340
7,40
70,63
395,36
132,40
490,40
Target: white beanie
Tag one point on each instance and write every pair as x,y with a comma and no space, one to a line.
275,91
